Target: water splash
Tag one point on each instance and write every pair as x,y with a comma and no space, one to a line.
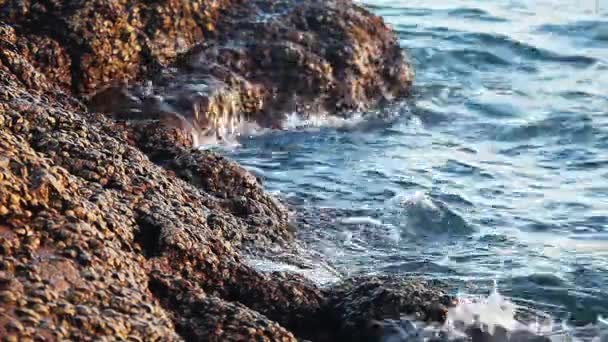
227,128
500,319
492,312
492,318
425,215
321,274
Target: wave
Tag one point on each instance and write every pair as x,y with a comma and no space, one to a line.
462,12
539,279
589,33
475,13
508,48
459,60
491,318
426,216
479,59
388,11
568,127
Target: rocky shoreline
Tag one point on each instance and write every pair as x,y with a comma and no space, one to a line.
113,226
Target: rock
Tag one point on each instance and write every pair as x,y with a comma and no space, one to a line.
408,330
308,58
210,318
239,191
359,304
265,55
107,215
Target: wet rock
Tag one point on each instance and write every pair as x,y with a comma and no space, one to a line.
358,302
407,329
527,336
390,330
261,63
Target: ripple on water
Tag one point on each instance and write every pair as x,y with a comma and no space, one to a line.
461,168
424,216
475,14
456,200
496,169
509,48
566,127
589,33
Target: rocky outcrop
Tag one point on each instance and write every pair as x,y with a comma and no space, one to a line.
112,40
239,60
114,226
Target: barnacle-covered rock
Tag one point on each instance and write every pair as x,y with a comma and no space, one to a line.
308,58
359,302
86,217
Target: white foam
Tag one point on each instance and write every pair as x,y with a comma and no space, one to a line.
493,310
226,131
361,220
227,128
419,199
320,274
298,121
497,310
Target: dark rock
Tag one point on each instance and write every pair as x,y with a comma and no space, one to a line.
527,336
359,301
200,317
478,334
408,330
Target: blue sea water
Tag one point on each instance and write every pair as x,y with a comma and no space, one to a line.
495,170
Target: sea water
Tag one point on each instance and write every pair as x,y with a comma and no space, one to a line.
495,171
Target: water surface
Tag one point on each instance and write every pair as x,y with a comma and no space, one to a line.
496,169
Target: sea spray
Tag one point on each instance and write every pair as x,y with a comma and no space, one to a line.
492,318
496,313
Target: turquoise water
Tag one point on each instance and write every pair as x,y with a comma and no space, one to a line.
495,170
